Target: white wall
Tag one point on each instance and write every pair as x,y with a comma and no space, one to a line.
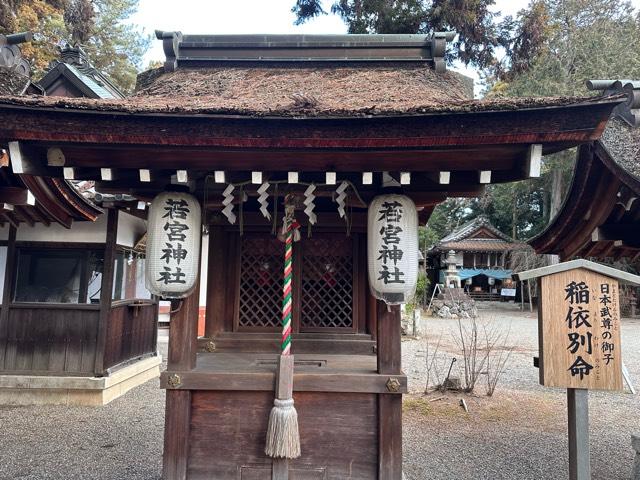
90,232
130,229
204,263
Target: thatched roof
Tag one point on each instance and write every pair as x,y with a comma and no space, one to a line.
623,143
12,82
261,89
310,93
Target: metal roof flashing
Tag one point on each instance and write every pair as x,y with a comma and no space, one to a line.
623,277
206,50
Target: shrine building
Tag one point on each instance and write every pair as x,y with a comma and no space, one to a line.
481,255
252,137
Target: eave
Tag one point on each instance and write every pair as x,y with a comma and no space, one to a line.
52,201
600,215
466,145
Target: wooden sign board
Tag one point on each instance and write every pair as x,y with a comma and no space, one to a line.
579,331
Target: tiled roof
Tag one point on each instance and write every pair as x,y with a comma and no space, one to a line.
466,230
478,245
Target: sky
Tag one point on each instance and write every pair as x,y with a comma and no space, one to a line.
250,16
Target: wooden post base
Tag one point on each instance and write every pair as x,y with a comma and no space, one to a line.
578,417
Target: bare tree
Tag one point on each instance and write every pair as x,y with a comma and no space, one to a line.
473,355
498,353
431,364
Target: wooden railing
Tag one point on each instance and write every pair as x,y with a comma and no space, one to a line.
132,331
49,339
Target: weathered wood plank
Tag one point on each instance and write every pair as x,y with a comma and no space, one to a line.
334,346
106,292
216,284
176,435
390,437
339,436
389,356
9,276
302,382
595,345
183,332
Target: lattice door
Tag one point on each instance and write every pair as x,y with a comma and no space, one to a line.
260,282
327,282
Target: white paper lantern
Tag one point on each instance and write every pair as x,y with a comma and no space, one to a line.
392,234
173,245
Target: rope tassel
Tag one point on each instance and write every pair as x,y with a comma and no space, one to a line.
283,438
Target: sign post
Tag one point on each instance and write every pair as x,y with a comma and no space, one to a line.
579,341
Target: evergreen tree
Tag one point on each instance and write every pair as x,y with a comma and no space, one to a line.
471,19
114,47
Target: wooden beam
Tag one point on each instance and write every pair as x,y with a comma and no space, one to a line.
183,331
25,160
9,276
533,163
24,213
80,173
182,176
633,244
219,176
18,160
55,209
177,424
389,356
145,175
40,217
107,174
617,231
256,177
389,405
55,157
16,196
69,173
106,291
216,281
282,160
570,125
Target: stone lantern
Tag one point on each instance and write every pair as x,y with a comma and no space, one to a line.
451,278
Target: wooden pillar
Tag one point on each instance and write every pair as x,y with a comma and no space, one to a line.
183,337
389,405
183,332
216,279
106,289
9,275
177,418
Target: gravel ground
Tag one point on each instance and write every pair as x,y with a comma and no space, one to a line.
120,441
519,433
